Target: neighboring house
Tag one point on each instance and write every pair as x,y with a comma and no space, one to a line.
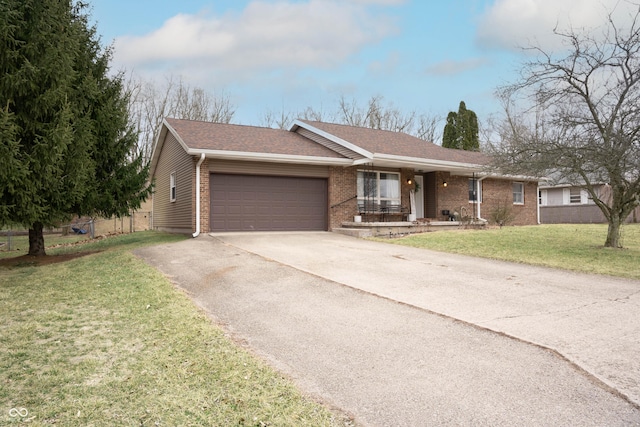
570,204
316,176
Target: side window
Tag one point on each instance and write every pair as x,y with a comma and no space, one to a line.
575,196
518,193
172,187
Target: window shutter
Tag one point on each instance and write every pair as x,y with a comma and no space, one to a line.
584,197
543,198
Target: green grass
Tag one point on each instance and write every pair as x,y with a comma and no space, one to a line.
104,340
572,247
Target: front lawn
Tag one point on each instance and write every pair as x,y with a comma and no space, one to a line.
104,339
577,247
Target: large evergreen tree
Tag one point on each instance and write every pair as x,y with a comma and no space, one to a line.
65,139
461,130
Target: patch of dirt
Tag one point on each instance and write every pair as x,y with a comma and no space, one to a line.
37,261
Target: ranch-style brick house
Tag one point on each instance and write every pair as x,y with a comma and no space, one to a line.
212,177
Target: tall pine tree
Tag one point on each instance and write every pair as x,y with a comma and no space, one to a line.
461,130
64,122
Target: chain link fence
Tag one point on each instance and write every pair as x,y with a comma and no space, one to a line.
90,227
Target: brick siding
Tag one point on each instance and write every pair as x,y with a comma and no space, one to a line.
343,204
495,193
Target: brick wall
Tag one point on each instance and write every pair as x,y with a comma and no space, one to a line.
495,193
342,189
453,197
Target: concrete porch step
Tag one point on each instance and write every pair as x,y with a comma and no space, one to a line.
354,232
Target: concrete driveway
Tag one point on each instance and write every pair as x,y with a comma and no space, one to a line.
402,336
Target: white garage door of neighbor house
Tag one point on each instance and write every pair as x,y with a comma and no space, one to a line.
267,203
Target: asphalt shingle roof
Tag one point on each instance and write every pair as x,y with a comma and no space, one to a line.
227,137
200,135
398,144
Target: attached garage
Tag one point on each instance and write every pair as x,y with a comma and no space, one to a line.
267,203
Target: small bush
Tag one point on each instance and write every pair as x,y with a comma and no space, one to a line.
502,214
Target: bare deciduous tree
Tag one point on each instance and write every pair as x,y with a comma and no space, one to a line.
277,120
150,103
375,114
583,119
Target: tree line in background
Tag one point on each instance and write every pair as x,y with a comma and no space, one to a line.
149,103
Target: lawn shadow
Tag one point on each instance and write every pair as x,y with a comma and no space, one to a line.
37,261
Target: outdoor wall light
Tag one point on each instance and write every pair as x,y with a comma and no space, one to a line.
409,181
444,183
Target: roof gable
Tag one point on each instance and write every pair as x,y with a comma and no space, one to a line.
397,144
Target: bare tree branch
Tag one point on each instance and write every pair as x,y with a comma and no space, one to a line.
583,118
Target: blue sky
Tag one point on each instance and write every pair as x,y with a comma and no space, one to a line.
286,55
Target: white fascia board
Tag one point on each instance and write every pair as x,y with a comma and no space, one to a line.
358,162
331,137
270,157
418,162
185,147
516,177
159,142
547,187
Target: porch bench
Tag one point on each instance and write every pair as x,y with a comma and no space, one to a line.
382,211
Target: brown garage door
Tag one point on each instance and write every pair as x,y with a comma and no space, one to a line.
267,203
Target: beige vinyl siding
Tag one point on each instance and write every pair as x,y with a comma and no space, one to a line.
265,168
329,144
173,216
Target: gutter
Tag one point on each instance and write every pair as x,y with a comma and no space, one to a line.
270,157
198,195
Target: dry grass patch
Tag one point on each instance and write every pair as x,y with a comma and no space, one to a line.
104,339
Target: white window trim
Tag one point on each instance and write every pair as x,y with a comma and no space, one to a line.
478,191
577,198
173,193
584,197
543,199
521,186
377,199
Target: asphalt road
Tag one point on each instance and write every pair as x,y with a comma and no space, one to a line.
397,336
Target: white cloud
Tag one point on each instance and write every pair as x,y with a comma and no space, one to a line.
452,67
521,23
380,2
263,37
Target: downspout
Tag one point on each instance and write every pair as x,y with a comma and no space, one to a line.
479,202
198,195
538,202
